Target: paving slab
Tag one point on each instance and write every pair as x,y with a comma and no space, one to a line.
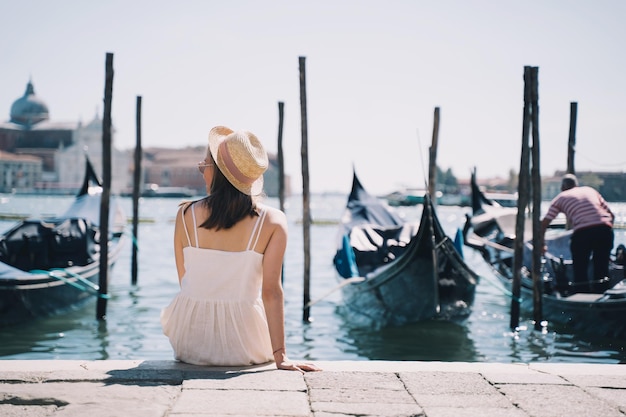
579,368
442,383
610,396
558,401
529,377
474,412
92,399
241,402
254,381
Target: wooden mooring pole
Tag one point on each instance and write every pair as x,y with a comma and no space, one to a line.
529,186
536,198
136,188
281,160
522,203
106,190
571,147
281,169
306,214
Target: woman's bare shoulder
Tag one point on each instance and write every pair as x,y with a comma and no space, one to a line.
275,216
184,205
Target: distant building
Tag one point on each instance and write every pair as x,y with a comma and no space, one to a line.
60,146
19,172
168,167
29,131
87,140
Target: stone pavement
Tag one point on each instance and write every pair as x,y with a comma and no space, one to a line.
345,388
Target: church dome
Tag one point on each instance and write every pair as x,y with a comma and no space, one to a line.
29,109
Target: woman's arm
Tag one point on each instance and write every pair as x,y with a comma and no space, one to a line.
179,243
272,291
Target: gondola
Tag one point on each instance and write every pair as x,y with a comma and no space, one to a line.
394,272
596,308
51,266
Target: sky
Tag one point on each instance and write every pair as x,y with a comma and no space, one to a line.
375,72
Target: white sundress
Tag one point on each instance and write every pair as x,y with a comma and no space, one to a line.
218,317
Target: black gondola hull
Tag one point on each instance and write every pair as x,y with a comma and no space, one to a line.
426,280
56,269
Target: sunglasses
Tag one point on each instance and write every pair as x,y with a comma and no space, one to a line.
202,165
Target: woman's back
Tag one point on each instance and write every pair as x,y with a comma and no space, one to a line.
215,275
218,317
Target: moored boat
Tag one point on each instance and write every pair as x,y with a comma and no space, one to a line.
394,272
51,266
596,307
408,197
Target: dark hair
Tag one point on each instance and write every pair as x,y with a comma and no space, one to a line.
568,181
227,205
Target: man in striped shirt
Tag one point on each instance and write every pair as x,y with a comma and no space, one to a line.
592,222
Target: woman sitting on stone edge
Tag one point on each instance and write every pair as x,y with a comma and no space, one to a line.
229,252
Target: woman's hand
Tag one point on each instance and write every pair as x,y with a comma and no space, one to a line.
282,362
297,366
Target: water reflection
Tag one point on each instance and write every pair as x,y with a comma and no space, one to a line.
561,343
48,338
103,336
424,341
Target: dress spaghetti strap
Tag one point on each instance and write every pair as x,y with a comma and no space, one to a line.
182,214
195,226
256,230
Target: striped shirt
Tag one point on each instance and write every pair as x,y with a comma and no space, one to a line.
583,207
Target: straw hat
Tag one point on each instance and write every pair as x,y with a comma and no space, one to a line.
240,156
